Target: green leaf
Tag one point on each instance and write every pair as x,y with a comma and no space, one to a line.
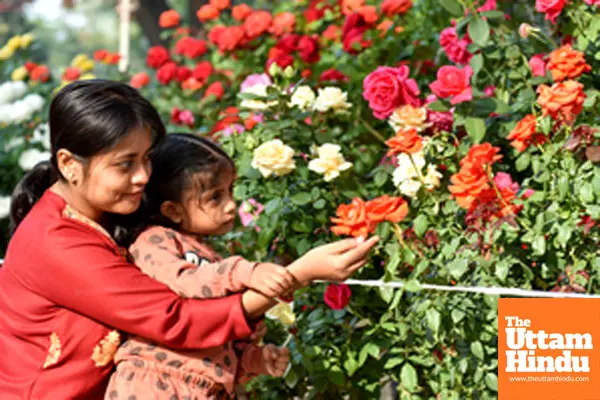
453,7
502,268
412,286
523,162
336,375
273,206
494,14
437,106
291,378
475,128
393,362
491,380
458,267
477,350
320,204
539,245
479,31
457,315
301,198
586,193
381,178
386,293
350,365
408,377
368,349
477,63
563,187
420,224
434,319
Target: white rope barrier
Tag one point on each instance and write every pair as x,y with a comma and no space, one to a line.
489,291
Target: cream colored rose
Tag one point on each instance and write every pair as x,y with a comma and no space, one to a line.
408,116
274,158
303,98
332,98
19,74
4,206
254,104
26,40
330,162
284,313
432,179
30,158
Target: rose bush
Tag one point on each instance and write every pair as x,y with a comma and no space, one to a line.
464,133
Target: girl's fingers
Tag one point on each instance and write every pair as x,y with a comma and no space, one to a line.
340,246
359,252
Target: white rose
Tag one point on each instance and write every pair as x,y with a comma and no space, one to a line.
303,98
283,312
331,98
31,157
257,90
410,187
406,168
4,206
274,158
41,134
10,91
432,179
330,162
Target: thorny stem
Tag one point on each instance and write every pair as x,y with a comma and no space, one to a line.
372,130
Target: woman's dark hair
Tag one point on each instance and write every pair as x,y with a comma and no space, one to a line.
182,162
86,118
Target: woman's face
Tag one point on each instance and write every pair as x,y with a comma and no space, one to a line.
114,181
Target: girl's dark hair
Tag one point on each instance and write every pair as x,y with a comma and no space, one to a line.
182,162
86,117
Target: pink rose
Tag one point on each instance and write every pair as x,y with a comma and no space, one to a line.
455,48
231,129
249,211
186,117
255,79
592,2
488,6
387,88
337,296
489,90
537,65
453,82
440,120
527,194
552,8
504,181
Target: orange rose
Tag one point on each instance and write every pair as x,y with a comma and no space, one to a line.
257,23
565,62
480,155
192,84
405,141
384,26
139,80
207,13
369,13
386,208
524,134
112,59
563,101
467,185
232,37
220,4
349,7
283,23
169,19
392,8
352,220
240,12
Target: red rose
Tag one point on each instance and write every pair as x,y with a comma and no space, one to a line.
182,74
552,8
353,30
288,43
395,7
71,74
100,55
453,82
240,12
332,75
387,88
232,38
215,89
203,70
308,47
279,57
139,80
169,19
215,34
40,73
190,47
166,73
157,57
337,296
30,66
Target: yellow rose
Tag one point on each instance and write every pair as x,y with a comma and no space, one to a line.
330,162
87,66
85,77
78,60
303,98
274,158
284,313
408,116
19,74
26,40
255,104
6,53
14,43
332,98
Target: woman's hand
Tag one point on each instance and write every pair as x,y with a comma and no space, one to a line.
334,261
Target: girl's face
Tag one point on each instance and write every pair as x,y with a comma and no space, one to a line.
214,212
114,181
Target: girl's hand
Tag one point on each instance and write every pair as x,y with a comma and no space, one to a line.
335,261
276,359
271,280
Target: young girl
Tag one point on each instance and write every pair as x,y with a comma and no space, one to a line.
188,198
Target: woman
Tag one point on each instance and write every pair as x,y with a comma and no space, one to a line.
67,291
